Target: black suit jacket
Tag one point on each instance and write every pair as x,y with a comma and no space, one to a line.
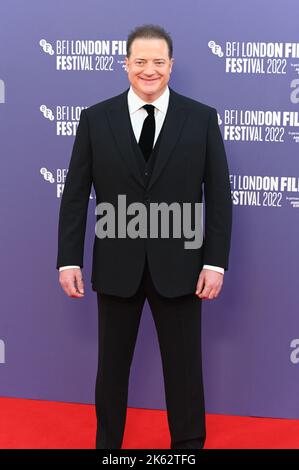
191,158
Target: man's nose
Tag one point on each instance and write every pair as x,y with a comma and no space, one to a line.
149,69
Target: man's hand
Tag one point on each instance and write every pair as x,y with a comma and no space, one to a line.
71,281
209,284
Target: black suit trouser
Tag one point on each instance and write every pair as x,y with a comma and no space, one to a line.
178,324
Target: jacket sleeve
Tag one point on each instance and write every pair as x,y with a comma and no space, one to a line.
75,199
218,200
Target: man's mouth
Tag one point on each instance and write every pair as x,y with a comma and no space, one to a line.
149,80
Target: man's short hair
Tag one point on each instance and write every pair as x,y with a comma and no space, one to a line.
149,31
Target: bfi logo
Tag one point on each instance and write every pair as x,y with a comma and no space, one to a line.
2,91
2,352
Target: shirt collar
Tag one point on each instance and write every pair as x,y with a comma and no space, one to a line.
135,102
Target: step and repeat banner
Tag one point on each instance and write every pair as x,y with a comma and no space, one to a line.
57,58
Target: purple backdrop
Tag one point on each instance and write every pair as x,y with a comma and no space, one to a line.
238,57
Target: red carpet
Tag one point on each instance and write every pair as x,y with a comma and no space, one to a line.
38,424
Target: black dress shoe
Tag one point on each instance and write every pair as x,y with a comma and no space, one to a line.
191,444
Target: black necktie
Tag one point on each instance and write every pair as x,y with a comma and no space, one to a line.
147,135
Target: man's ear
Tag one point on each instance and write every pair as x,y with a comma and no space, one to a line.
126,63
171,64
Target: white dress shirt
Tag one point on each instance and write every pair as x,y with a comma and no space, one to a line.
138,115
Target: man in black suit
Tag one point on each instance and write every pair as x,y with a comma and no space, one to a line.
150,145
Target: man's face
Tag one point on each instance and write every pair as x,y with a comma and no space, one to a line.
149,67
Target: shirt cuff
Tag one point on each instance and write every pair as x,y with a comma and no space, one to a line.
213,268
62,268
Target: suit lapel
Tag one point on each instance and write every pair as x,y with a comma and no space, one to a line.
172,126
119,119
120,123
